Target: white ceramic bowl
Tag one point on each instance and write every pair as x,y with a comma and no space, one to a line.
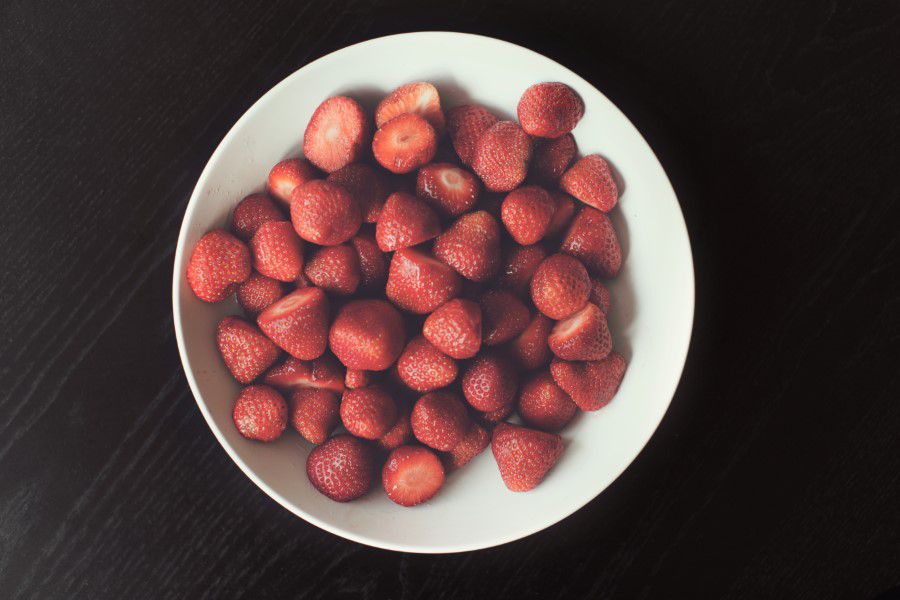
651,318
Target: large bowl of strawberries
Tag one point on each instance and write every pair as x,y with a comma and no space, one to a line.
433,292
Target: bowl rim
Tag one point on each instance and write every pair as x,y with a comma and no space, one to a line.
178,281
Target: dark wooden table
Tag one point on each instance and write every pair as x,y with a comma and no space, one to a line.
775,472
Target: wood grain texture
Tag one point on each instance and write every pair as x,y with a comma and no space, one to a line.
776,472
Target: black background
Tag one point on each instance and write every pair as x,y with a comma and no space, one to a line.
775,472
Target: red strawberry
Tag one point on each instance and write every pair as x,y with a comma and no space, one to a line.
368,412
335,269
419,283
474,443
298,323
258,292
531,349
439,420
324,213
552,157
405,221
590,384
560,286
491,417
549,110
591,181
343,468
600,296
489,382
336,134
287,175
449,189
246,351
424,368
592,240
315,413
277,251
218,263
419,98
367,334
323,373
412,475
398,435
503,316
526,213
404,143
583,336
251,213
519,265
524,455
562,213
372,266
465,124
455,328
471,246
369,187
502,156
357,378
260,413
544,405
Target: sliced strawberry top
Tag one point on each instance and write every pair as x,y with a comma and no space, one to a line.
419,97
412,475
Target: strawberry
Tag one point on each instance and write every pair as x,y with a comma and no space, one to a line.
501,156
398,435
592,240
455,328
476,440
424,368
405,221
519,265
246,351
367,334
552,157
531,349
419,283
260,413
562,214
251,213
590,384
277,251
368,186
324,213
315,413
600,296
368,412
419,98
287,175
560,286
258,292
372,266
412,475
336,135
471,246
549,110
490,418
335,269
218,263
524,455
439,420
404,143
489,382
591,181
583,336
465,124
357,378
503,316
544,405
323,373
298,323
449,189
526,213
343,468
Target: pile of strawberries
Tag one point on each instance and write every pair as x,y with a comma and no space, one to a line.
424,296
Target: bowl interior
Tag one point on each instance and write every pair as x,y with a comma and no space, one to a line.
651,316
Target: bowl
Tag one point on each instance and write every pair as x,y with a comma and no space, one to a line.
651,317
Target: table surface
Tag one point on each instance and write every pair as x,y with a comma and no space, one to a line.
774,473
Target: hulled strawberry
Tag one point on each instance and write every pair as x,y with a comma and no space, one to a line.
368,186
337,134
439,420
404,143
343,468
526,213
372,265
424,368
251,213
502,156
489,382
550,109
544,405
471,246
560,286
591,181
277,251
367,334
260,413
258,292
324,373
368,412
419,97
324,213
592,240
298,323
455,328
447,188
503,316
218,263
583,336
246,351
591,384
315,413
405,221
530,349
552,157
465,125
519,265
288,175
335,269
476,441
412,475
524,456
419,283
